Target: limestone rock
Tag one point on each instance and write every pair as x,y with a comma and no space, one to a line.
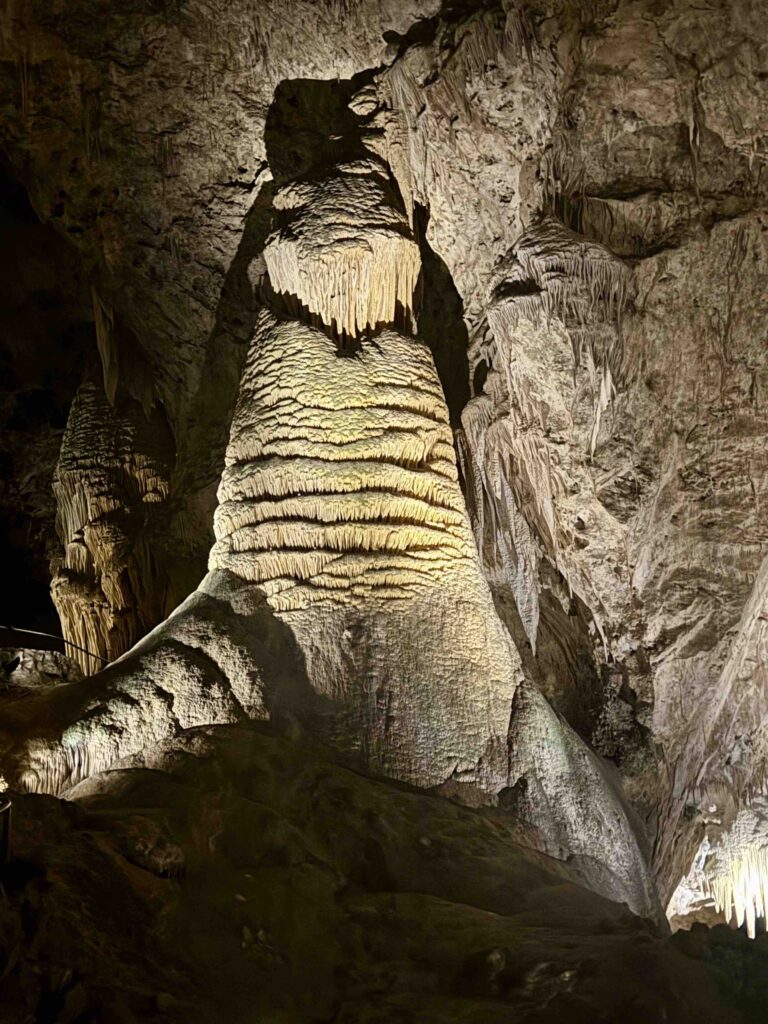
110,484
26,667
308,888
256,193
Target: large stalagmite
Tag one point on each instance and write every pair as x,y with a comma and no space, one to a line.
342,538
340,500
433,398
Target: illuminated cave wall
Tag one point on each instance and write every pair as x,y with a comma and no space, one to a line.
589,180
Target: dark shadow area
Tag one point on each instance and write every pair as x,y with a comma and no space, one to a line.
514,290
249,875
201,450
479,377
452,15
441,322
46,341
310,125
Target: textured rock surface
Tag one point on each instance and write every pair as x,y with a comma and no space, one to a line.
590,178
110,484
340,514
247,873
25,667
653,470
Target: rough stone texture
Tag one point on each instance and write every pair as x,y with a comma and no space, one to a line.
247,873
110,484
592,179
683,197
662,489
340,514
26,667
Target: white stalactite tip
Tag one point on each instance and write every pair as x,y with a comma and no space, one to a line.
743,888
343,250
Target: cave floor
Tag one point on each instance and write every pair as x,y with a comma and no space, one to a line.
241,875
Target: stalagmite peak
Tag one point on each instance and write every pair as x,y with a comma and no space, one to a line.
384,511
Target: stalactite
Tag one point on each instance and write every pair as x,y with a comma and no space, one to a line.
342,250
423,110
743,890
554,273
735,868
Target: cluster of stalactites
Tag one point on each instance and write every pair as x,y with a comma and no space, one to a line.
342,250
734,871
553,330
426,109
556,274
743,888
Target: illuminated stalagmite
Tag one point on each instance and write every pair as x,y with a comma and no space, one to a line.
111,479
345,588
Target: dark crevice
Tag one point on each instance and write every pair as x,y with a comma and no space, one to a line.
441,322
515,289
47,339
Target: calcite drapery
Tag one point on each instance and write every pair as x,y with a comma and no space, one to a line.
343,249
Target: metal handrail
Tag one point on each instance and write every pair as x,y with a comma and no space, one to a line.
52,636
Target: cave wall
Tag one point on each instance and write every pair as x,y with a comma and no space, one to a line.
612,445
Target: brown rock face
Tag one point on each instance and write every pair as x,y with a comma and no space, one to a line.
436,334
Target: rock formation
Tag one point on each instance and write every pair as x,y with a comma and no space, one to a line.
416,419
111,477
